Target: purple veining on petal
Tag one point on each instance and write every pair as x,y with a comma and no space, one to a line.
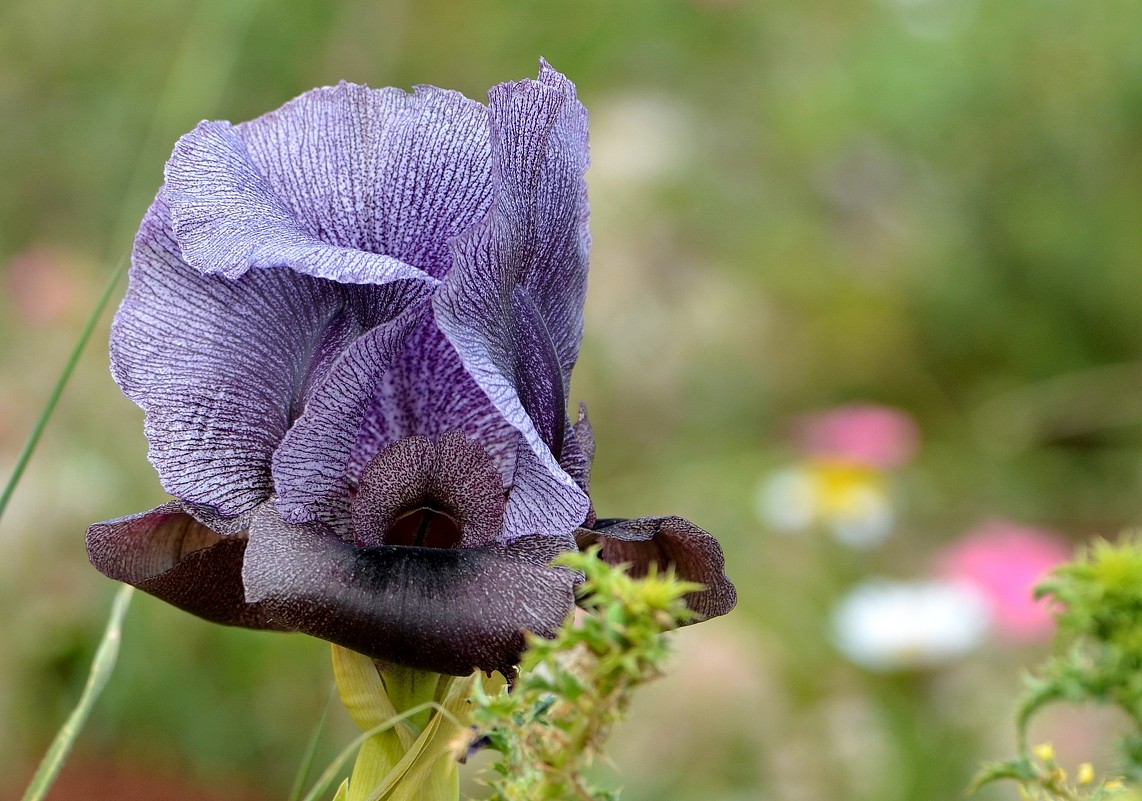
442,493
427,392
310,468
579,450
343,182
512,305
220,367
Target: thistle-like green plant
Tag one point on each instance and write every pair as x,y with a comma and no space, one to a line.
571,690
1098,660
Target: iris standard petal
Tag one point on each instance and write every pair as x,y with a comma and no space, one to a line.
311,468
445,610
222,367
512,305
667,542
169,554
343,182
426,393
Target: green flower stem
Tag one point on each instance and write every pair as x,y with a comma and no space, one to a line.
413,759
408,688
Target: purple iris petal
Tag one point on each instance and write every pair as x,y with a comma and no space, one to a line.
311,468
579,449
667,542
426,393
345,182
445,610
222,368
440,493
173,556
512,304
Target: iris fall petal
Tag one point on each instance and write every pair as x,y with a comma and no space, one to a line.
667,542
171,555
444,610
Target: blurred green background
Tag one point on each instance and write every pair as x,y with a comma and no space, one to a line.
933,204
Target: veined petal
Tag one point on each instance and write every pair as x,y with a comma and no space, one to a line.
539,159
169,554
428,392
512,305
222,367
579,449
451,477
311,468
445,610
343,182
667,542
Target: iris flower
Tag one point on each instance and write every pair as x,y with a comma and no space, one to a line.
351,324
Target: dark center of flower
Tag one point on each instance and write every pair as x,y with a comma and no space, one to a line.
425,528
429,493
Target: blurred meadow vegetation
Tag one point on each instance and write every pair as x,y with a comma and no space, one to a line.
931,204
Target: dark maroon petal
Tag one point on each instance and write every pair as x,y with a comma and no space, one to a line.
169,554
343,182
665,542
513,303
222,367
445,610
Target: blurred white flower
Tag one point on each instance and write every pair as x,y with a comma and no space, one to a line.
887,625
851,501
787,500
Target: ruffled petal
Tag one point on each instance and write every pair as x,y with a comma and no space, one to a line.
343,182
667,542
222,367
166,552
444,610
513,303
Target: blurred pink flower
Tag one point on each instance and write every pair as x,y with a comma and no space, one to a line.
1004,561
866,434
45,284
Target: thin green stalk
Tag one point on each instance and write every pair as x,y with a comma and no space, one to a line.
57,391
200,72
343,757
101,668
311,749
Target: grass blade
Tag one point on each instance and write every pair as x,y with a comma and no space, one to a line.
101,667
311,750
57,391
